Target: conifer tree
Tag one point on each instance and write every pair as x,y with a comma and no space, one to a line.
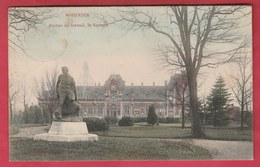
152,117
218,101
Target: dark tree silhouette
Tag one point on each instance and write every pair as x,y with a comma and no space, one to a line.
152,117
218,101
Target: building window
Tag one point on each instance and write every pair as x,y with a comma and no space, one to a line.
100,111
142,111
137,111
90,111
127,109
113,93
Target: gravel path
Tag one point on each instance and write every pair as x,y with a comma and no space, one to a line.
228,150
225,150
31,131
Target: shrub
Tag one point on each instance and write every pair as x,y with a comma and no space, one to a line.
248,119
161,120
96,124
126,121
152,117
169,120
172,120
139,119
111,120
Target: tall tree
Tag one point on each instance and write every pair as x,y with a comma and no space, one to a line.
178,95
25,93
152,118
13,93
189,33
45,90
182,96
218,101
243,84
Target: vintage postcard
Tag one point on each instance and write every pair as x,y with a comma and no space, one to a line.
130,83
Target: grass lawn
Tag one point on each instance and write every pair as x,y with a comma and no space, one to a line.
168,131
139,142
106,148
142,131
13,129
229,134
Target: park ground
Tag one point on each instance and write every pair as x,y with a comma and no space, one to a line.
140,142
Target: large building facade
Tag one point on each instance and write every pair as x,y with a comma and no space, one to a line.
117,99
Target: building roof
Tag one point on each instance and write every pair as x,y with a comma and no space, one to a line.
145,92
173,81
127,92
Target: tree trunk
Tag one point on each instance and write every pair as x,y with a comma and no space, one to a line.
215,118
196,129
11,112
183,119
242,109
242,113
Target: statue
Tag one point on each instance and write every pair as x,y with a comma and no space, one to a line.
68,126
67,96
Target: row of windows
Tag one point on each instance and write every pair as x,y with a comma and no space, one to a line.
126,111
92,111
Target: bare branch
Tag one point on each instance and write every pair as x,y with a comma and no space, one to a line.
21,21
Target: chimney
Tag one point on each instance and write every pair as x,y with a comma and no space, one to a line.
153,83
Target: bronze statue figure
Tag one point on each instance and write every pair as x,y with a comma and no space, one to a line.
67,96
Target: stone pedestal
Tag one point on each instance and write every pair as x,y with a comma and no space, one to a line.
67,132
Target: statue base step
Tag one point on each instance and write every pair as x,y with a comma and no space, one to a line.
67,132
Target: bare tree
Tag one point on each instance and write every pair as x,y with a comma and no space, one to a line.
25,94
182,96
45,90
21,20
243,84
179,95
13,96
191,32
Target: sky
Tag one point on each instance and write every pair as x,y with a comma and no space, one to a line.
105,49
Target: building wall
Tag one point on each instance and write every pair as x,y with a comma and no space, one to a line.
124,108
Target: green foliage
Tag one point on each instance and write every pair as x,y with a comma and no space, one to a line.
126,121
96,124
13,129
152,117
217,103
169,120
139,119
111,120
248,119
47,115
33,115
